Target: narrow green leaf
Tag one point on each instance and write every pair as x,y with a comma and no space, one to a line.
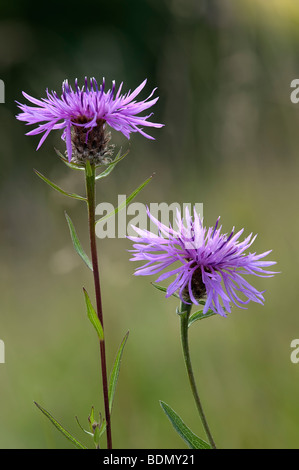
77,244
192,440
73,166
112,165
126,202
82,429
200,316
91,313
60,428
164,289
57,188
115,372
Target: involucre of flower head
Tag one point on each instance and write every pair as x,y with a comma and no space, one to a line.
82,114
206,263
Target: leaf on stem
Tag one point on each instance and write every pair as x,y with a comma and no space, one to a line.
195,316
127,201
73,166
163,289
115,372
92,315
112,165
200,316
57,188
191,439
82,429
77,244
60,428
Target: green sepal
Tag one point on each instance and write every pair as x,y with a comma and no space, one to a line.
60,428
126,202
95,427
191,439
96,437
91,313
101,424
57,188
102,427
77,244
115,371
91,419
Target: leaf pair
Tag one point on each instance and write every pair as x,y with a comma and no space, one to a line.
195,316
110,167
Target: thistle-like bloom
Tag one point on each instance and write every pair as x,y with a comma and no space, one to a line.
208,265
82,113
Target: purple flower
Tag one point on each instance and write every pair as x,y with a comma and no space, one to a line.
88,107
208,265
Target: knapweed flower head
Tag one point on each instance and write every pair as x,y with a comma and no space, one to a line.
210,265
82,114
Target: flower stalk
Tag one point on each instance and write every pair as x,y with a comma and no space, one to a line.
91,203
185,310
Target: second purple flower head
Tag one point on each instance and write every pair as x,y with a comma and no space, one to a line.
207,264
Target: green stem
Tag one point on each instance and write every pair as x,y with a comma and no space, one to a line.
185,311
90,192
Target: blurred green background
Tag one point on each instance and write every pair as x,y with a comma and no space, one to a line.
223,71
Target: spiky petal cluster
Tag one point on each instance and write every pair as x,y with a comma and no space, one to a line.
211,265
87,107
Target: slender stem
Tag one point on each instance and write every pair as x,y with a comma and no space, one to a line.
184,315
90,192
